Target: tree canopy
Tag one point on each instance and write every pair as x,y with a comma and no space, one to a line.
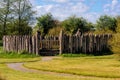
106,23
73,23
15,17
46,22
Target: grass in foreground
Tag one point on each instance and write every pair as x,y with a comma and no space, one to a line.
22,54
7,57
5,60
17,75
16,55
99,66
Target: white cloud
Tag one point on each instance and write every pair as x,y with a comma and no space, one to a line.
60,1
33,2
107,7
64,10
65,1
68,8
91,17
114,4
112,8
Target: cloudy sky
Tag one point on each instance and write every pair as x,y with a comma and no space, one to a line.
89,9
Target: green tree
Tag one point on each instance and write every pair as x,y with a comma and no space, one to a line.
72,24
46,22
118,24
5,14
15,17
23,15
106,23
115,41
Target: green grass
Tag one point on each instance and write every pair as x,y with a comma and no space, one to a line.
10,55
7,57
99,66
15,60
16,55
75,55
9,74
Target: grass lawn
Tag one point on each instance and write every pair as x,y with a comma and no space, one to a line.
99,66
9,74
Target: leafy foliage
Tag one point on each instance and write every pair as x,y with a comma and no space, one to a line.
72,24
115,41
15,17
46,22
55,31
106,23
13,29
75,55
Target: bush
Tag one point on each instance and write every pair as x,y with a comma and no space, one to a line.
115,43
55,31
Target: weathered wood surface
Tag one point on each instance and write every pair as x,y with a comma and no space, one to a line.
85,43
82,43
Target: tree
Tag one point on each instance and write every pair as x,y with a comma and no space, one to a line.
5,11
115,41
16,16
118,24
72,24
46,22
23,15
106,23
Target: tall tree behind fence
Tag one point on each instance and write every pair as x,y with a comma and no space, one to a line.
85,43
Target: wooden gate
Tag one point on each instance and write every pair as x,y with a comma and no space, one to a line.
49,45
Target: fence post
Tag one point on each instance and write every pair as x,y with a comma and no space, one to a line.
37,42
71,43
61,41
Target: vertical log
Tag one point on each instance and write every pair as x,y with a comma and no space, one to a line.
61,40
30,44
4,41
71,43
37,42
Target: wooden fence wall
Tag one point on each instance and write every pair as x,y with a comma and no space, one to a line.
85,43
20,43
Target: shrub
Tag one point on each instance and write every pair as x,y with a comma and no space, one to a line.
55,31
115,43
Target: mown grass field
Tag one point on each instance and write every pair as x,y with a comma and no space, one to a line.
98,66
10,74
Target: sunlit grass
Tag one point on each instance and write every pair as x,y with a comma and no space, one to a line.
7,57
5,60
9,74
100,66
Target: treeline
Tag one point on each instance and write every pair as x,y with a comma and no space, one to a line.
47,24
16,17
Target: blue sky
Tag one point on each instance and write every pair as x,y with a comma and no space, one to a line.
89,9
